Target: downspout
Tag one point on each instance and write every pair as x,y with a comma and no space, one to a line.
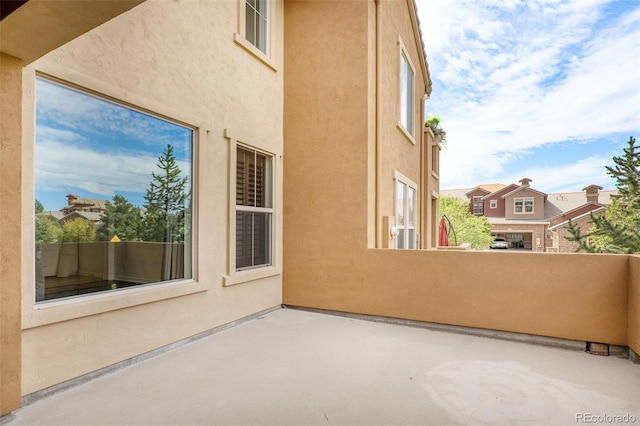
378,221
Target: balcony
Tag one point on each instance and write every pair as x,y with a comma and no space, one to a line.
295,367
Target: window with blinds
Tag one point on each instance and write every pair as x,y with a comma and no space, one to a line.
254,208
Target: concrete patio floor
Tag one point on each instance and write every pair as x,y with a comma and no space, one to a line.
293,367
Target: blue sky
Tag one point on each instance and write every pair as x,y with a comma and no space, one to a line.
544,89
95,149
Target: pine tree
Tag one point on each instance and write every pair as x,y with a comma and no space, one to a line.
166,201
120,218
618,231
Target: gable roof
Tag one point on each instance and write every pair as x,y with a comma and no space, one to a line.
524,188
507,188
582,216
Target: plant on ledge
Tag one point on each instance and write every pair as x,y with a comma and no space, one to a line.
434,124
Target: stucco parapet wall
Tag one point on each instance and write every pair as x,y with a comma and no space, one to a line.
564,295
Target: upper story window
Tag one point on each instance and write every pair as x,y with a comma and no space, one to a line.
257,23
406,96
254,208
406,93
134,171
478,206
523,205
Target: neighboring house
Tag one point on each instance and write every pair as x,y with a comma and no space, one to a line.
299,129
76,204
533,220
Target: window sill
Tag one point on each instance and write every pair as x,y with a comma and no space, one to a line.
406,133
53,311
254,51
435,175
251,275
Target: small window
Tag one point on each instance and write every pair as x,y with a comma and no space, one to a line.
406,93
254,209
257,23
478,206
406,206
493,204
523,205
135,171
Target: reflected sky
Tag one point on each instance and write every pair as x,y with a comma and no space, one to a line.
95,148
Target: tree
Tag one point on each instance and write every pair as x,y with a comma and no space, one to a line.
39,207
166,201
79,230
618,231
469,228
47,231
120,218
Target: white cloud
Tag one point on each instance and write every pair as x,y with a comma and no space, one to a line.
513,76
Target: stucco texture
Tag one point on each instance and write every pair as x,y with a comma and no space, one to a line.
10,243
151,57
575,297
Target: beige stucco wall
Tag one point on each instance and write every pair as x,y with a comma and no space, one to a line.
572,296
538,205
177,59
328,133
10,240
634,303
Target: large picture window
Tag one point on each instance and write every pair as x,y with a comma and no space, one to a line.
256,23
254,208
113,194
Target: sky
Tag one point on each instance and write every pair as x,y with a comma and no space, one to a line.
94,148
544,89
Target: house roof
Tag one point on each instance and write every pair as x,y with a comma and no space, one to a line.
489,188
558,225
562,202
568,212
523,188
506,188
92,216
422,51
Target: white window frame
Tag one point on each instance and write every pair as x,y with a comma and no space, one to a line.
405,227
406,95
523,201
234,275
240,37
57,310
493,204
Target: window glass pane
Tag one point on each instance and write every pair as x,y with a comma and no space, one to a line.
411,217
256,23
406,94
113,191
254,178
528,205
400,217
250,24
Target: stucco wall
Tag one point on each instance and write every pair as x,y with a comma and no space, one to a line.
179,60
634,303
10,242
572,296
538,205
